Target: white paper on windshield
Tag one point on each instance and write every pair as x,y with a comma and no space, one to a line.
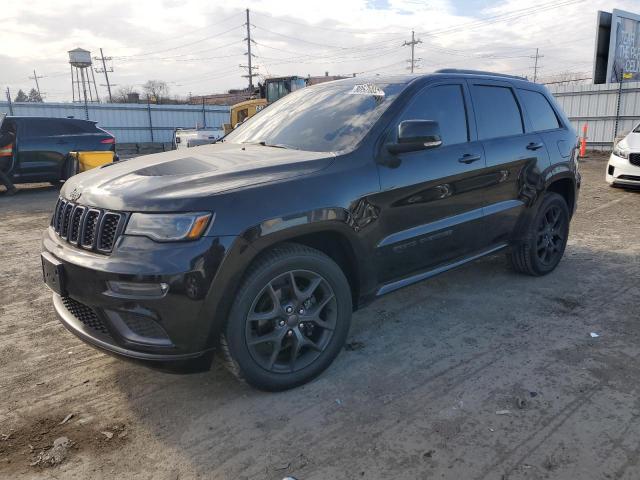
367,89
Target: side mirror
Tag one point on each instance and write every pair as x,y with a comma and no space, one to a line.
414,135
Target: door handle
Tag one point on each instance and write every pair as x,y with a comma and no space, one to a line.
534,146
469,158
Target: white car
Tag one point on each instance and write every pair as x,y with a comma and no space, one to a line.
624,164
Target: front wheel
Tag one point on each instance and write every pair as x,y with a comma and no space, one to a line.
289,320
545,239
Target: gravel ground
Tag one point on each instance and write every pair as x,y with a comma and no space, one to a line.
480,373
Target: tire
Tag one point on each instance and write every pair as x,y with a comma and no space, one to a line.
277,337
545,239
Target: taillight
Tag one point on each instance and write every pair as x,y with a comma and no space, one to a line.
108,140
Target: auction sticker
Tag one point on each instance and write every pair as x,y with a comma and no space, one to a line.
367,89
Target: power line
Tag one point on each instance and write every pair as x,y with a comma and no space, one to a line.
308,25
178,57
183,45
191,32
513,15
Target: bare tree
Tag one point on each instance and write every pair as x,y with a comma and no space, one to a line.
125,94
156,90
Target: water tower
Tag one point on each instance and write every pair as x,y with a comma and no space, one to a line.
80,61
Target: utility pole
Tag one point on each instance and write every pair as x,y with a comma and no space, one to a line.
535,65
9,101
36,77
249,55
106,71
413,44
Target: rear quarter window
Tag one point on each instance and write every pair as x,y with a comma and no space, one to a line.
497,111
540,112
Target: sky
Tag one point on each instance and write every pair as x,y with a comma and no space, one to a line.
197,46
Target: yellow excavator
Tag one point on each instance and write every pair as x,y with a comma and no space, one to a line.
274,89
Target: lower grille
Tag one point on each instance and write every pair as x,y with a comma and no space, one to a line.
634,159
86,315
144,327
635,178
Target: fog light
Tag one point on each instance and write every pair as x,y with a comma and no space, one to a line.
136,289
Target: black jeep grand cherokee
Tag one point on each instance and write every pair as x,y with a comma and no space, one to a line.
262,245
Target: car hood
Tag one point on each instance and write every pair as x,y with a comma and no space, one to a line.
631,142
181,179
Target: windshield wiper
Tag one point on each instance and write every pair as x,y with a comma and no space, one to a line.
273,145
276,145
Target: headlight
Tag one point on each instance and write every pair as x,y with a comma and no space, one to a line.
620,152
168,227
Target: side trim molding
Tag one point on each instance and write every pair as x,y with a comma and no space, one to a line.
404,282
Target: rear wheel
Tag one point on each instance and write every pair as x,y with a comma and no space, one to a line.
545,240
289,320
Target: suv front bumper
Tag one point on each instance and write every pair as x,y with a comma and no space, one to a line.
620,171
172,331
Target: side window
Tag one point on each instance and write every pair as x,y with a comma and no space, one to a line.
497,112
38,127
444,104
35,127
540,112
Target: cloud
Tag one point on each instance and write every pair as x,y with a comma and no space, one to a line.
197,45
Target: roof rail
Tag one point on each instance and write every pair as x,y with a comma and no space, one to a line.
478,72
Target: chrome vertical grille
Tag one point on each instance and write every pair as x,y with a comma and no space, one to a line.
90,228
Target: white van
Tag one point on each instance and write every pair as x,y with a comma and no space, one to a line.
192,137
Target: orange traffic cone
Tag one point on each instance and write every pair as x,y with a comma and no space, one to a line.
583,141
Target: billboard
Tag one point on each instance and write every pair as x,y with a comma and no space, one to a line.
617,55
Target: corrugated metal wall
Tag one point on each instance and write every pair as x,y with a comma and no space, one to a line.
593,104
130,122
596,105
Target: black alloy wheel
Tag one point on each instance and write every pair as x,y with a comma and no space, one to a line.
551,237
291,321
545,238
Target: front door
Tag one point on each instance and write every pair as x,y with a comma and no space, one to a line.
431,200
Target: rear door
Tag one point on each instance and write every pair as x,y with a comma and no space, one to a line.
43,146
515,156
544,120
431,200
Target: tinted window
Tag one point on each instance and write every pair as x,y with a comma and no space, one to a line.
540,112
323,118
40,127
497,112
445,105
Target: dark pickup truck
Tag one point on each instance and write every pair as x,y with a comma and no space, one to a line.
262,245
41,149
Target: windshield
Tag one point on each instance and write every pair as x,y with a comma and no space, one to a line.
322,118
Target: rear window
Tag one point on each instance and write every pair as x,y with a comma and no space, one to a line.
497,112
539,110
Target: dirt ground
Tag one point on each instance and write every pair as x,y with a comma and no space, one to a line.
480,373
